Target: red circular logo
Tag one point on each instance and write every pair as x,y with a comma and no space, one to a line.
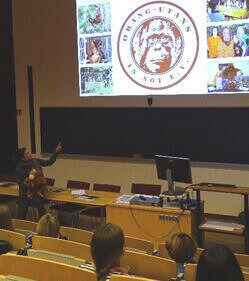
158,45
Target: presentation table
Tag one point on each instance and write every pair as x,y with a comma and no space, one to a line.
151,223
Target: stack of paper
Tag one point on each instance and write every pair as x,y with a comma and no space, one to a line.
78,192
222,225
125,199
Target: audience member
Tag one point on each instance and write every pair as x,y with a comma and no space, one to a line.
181,248
107,248
5,219
217,262
7,223
49,226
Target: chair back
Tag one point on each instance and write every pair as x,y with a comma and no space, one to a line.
50,181
78,184
139,244
8,178
17,240
51,256
116,277
40,270
242,259
77,235
190,271
106,187
162,252
198,253
25,225
147,189
246,276
78,250
149,266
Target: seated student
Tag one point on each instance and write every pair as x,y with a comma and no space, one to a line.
5,219
49,226
181,248
107,248
6,223
217,262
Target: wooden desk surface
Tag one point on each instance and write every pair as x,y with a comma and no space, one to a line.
237,190
66,196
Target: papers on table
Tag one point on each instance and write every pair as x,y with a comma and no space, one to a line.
222,225
86,197
78,192
125,199
59,190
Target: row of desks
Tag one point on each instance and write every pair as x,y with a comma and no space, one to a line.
66,195
155,224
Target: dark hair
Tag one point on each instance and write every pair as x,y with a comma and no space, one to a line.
107,248
18,155
217,262
181,247
5,219
212,4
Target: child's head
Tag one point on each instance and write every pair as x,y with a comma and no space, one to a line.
217,262
181,247
107,247
49,226
5,219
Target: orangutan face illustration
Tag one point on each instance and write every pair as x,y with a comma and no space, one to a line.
157,56
157,46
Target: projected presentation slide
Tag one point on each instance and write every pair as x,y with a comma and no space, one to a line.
162,47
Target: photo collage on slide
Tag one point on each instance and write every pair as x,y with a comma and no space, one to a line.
95,47
228,46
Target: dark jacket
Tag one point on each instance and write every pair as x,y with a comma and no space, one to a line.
22,169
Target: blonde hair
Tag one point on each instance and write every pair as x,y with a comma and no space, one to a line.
181,247
49,226
5,219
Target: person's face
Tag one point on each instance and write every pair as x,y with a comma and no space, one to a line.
27,155
215,32
226,34
159,50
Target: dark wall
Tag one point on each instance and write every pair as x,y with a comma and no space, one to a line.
202,134
8,126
